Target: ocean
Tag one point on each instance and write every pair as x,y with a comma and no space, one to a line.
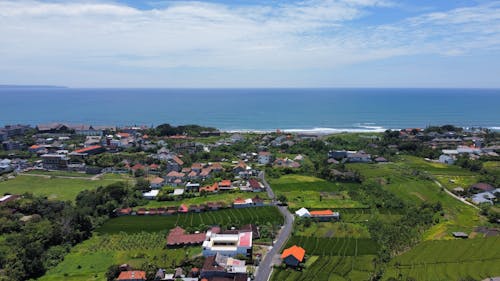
307,110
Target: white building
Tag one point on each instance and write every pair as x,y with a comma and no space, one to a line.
151,195
446,159
303,213
264,157
228,244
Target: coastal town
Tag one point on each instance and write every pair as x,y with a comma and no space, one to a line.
194,203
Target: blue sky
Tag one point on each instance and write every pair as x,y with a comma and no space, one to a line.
223,43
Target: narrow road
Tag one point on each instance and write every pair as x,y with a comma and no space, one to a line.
456,197
264,270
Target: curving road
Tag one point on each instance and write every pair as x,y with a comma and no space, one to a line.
265,268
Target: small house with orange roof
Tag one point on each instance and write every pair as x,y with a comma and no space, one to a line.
293,256
183,209
225,185
133,275
324,215
210,188
157,182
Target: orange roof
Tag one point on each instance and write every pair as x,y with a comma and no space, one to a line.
239,201
35,146
322,213
157,180
296,251
132,275
83,150
225,183
124,135
210,188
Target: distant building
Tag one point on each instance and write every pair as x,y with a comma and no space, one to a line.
324,215
132,276
264,157
303,213
178,237
55,161
446,159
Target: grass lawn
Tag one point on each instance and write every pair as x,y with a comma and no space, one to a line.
226,197
407,180
312,192
91,259
448,260
59,173
54,188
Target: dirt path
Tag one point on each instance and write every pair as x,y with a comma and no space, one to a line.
456,197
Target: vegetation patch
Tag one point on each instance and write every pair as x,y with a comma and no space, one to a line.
134,224
448,260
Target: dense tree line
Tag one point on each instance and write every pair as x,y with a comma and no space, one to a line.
170,130
37,232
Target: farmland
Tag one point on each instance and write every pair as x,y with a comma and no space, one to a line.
54,187
330,268
411,180
226,197
334,246
91,259
312,192
449,260
134,224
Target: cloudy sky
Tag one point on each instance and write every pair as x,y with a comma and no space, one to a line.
243,43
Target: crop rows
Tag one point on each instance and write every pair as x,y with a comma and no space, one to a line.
133,224
449,260
334,246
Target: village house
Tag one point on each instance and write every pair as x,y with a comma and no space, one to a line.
293,256
264,157
255,185
285,163
358,157
8,198
52,128
225,185
174,177
157,183
178,237
324,215
151,195
210,188
242,203
134,275
219,267
86,130
192,187
303,213
228,244
55,161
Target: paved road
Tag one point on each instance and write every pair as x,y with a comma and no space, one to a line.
265,267
456,197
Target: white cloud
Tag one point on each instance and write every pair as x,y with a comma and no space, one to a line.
312,34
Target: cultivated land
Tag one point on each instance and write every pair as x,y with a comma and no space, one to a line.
411,179
312,192
449,260
91,259
55,187
227,197
134,224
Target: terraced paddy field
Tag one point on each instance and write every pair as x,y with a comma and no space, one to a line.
448,260
90,260
411,179
134,224
329,268
347,246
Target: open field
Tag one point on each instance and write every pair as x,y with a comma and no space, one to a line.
330,268
55,188
334,246
449,260
134,224
59,173
91,259
409,180
226,197
312,192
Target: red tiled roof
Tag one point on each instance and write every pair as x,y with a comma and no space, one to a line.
210,188
178,236
178,160
137,167
254,183
132,275
225,183
87,149
154,166
239,201
295,251
321,213
157,180
123,135
183,208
